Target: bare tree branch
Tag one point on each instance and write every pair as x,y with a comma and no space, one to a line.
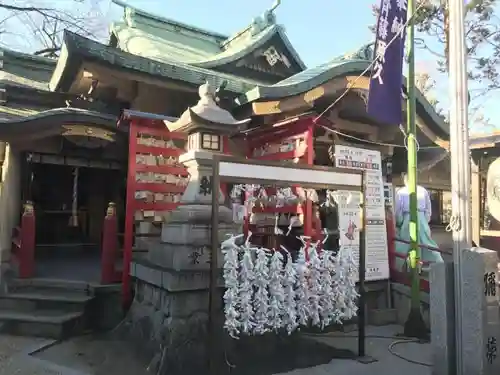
44,25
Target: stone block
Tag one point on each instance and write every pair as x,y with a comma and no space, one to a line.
194,234
480,320
182,257
179,323
145,273
169,279
442,317
176,281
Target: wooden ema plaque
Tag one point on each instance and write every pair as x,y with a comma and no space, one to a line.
155,183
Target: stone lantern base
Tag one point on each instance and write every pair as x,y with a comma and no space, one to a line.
170,307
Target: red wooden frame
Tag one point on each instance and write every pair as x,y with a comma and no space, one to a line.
150,128
268,135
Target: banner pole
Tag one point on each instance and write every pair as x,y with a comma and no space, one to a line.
414,325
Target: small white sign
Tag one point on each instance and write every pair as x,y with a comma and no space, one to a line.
377,257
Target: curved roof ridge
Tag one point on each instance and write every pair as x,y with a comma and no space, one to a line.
27,56
76,48
314,77
165,20
243,47
318,72
240,48
61,111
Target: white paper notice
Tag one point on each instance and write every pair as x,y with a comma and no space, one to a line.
377,257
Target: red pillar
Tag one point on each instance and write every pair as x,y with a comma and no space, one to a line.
391,244
109,245
27,250
308,214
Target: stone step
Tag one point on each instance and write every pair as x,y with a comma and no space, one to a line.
52,324
54,286
34,300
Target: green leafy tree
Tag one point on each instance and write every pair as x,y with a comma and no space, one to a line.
482,29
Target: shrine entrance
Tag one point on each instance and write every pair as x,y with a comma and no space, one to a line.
70,206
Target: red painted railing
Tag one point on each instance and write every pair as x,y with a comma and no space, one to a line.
23,242
397,275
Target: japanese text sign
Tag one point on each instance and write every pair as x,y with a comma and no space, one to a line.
384,100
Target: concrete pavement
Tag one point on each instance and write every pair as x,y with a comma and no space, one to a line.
88,355
377,347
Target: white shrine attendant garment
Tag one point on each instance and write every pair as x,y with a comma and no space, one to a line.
402,203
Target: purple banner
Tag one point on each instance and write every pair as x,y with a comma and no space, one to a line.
386,81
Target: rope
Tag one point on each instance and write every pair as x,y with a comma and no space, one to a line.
405,145
74,203
348,89
455,224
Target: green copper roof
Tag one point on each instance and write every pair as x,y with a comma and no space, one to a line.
249,40
135,15
77,48
354,63
14,112
22,69
164,40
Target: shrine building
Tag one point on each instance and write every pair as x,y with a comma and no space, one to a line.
64,125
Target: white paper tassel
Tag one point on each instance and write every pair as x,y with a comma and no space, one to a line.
276,292
302,289
326,301
314,285
261,298
232,290
247,278
338,288
349,268
289,282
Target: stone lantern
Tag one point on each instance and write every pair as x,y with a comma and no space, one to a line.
208,127
185,235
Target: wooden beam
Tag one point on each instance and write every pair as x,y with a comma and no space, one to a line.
307,99
347,125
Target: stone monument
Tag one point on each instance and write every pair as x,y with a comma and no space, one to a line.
170,307
480,328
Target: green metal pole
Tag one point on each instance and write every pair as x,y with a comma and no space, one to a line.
414,326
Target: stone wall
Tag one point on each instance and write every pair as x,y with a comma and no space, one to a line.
169,310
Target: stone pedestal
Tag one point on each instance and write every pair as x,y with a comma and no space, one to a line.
480,315
442,317
171,300
185,238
